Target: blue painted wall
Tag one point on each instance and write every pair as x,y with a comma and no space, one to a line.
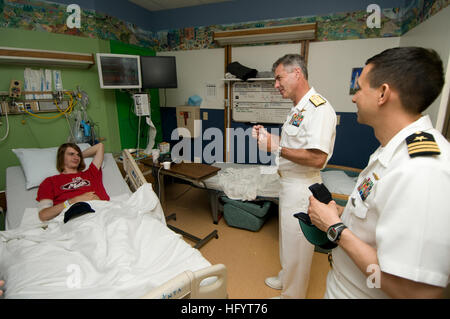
348,150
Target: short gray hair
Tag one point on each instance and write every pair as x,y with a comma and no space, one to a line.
292,60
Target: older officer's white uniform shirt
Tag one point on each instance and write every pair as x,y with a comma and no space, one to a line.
308,127
400,207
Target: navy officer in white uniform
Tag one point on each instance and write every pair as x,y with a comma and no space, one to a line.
393,234
306,145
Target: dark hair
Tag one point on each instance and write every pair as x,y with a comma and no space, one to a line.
292,60
415,73
60,157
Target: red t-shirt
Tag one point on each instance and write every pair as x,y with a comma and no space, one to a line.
62,187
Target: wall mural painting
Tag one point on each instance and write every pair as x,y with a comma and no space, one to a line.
51,17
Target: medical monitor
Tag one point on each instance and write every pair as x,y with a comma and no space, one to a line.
119,71
158,72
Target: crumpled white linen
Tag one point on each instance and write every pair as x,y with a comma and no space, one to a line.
123,250
239,183
248,183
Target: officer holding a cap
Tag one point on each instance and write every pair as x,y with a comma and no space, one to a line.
393,239
305,146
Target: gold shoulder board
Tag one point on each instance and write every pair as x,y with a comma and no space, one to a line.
317,100
422,144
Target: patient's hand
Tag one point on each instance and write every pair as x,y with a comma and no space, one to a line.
51,212
85,197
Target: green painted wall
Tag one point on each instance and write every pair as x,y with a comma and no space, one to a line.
128,121
27,131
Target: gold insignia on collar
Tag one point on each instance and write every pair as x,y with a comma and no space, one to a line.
422,144
317,100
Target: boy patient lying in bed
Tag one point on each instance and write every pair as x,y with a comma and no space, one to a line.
72,185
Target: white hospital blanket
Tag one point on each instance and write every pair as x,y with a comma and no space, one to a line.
123,250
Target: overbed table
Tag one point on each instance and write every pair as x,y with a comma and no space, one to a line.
194,173
191,172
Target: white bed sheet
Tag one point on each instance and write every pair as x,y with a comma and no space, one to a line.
123,250
268,185
18,198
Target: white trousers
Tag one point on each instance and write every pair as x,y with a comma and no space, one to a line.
296,251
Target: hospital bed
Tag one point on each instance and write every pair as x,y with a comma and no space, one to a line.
140,257
250,182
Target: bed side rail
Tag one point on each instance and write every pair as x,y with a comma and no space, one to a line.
187,285
134,176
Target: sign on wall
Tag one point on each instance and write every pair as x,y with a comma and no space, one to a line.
259,102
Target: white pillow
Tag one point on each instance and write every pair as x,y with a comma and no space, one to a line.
40,163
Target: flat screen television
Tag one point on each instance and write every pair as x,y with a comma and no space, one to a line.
119,71
158,72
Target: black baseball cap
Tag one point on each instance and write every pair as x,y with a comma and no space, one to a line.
76,210
313,234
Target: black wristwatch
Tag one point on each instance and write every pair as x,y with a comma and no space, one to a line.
334,232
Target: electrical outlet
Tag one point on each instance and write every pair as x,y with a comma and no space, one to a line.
205,116
19,106
32,106
338,118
